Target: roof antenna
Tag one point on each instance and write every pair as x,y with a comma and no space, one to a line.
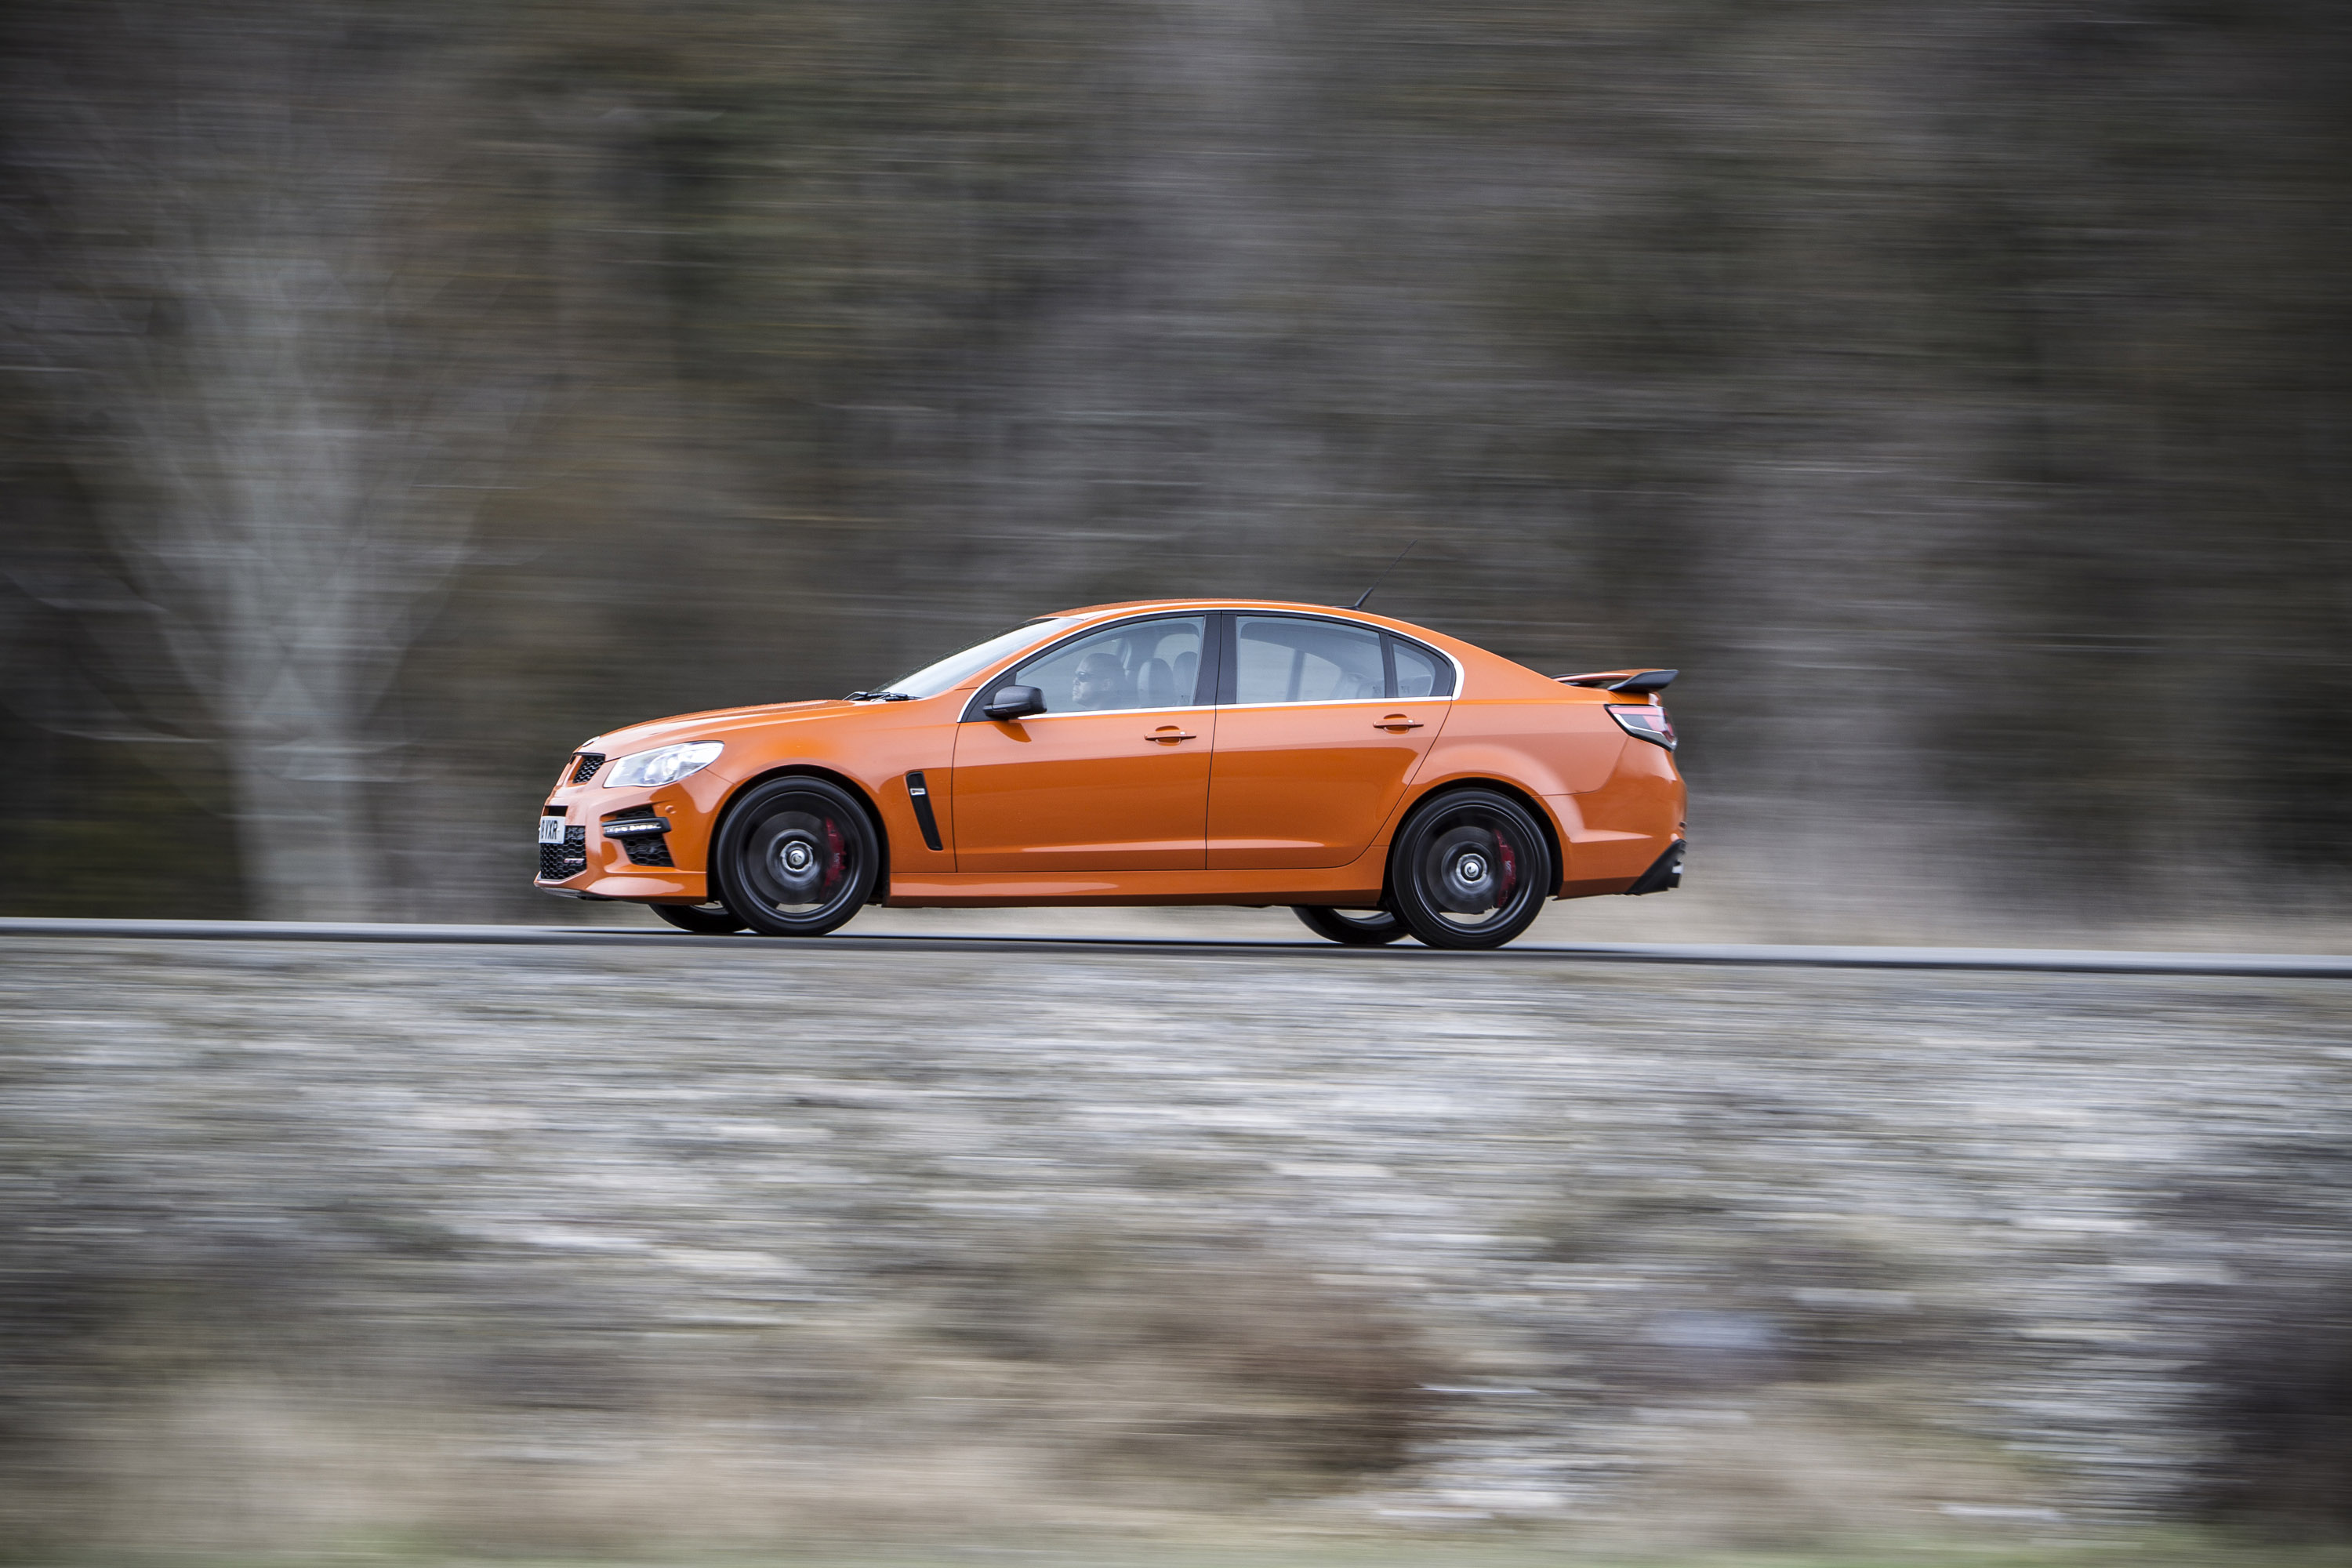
1385,573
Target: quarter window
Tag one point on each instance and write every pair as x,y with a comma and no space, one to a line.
1288,658
1419,672
1140,663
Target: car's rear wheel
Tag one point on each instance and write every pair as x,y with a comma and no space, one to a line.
796,857
1352,928
1470,869
702,919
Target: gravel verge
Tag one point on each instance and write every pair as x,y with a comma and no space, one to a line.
555,1249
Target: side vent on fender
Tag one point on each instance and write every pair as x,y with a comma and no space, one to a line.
920,793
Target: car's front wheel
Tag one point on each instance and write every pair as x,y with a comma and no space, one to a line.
796,857
702,919
1351,928
1470,869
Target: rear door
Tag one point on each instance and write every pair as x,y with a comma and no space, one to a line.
1324,723
1114,776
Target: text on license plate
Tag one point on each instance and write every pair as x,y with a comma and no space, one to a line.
551,830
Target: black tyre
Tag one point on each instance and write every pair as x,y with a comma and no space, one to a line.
1352,928
1471,868
702,919
796,857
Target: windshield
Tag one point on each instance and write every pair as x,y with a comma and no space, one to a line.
957,667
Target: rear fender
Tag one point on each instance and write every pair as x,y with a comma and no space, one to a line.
1526,768
1545,748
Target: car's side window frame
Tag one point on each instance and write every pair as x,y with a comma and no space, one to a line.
1229,662
1212,671
1448,669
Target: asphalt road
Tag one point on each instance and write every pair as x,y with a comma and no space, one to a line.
2285,965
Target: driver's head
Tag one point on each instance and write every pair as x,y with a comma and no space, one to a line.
1097,682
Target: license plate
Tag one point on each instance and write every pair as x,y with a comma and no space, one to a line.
551,830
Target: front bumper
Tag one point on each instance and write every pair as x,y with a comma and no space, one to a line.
656,848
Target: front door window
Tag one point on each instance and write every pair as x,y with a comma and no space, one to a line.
1143,664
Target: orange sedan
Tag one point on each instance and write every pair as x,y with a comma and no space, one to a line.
1381,779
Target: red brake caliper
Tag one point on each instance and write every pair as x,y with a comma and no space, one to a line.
1510,867
834,857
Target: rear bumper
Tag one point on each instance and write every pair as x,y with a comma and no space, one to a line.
1664,875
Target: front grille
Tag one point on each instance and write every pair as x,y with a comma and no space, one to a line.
585,768
559,862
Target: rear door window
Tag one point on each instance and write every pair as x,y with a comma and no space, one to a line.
1290,658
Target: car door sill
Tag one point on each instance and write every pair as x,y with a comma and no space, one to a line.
1360,879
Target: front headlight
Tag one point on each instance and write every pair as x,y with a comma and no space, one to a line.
663,764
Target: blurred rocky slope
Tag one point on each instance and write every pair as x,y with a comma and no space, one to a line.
633,1250
395,394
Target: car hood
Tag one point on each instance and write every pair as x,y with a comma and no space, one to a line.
717,722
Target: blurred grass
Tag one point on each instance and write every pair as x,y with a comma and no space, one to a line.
430,1254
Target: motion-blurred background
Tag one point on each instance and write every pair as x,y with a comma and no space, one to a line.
395,394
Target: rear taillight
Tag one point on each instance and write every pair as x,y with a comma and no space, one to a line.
1649,725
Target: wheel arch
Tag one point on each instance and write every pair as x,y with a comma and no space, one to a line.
807,770
1553,838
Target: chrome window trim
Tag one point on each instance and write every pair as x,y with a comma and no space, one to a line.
1461,672
1340,702
1230,707
1106,713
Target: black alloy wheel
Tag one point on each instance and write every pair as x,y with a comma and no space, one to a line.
1471,868
796,857
1351,927
702,919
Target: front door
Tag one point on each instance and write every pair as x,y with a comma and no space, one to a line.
1313,751
1114,776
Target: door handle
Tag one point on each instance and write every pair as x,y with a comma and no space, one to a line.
1396,721
1169,733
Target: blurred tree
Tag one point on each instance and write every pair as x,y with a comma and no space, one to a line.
1950,392
289,365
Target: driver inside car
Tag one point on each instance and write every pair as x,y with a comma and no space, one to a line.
1099,683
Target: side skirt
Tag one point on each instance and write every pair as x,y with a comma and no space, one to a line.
1352,886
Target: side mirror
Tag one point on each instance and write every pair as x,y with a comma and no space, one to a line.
1016,702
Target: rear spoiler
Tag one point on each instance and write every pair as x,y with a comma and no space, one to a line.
1633,682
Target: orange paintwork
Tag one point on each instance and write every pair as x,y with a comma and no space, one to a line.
1259,805
1090,792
